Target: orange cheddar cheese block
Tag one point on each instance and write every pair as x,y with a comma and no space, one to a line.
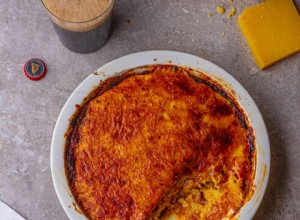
272,30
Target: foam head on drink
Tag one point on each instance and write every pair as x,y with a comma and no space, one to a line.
82,25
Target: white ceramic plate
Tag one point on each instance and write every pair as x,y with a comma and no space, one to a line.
160,57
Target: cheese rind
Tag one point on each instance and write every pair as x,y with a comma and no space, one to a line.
272,30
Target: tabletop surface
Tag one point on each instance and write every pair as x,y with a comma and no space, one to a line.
29,110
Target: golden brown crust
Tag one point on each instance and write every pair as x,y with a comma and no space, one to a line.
161,143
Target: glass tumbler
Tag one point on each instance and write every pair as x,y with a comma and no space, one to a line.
82,26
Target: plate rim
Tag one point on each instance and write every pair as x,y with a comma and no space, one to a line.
162,57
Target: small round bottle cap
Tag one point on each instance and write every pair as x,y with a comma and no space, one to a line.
35,69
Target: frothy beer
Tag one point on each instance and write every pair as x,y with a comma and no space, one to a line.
84,21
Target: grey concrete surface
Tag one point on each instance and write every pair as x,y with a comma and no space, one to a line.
28,110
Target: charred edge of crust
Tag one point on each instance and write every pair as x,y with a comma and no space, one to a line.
75,121
71,139
225,94
239,112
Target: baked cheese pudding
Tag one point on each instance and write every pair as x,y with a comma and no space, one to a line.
162,143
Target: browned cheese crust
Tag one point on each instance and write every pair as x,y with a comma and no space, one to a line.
157,144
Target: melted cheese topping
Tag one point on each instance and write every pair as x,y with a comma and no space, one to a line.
159,146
